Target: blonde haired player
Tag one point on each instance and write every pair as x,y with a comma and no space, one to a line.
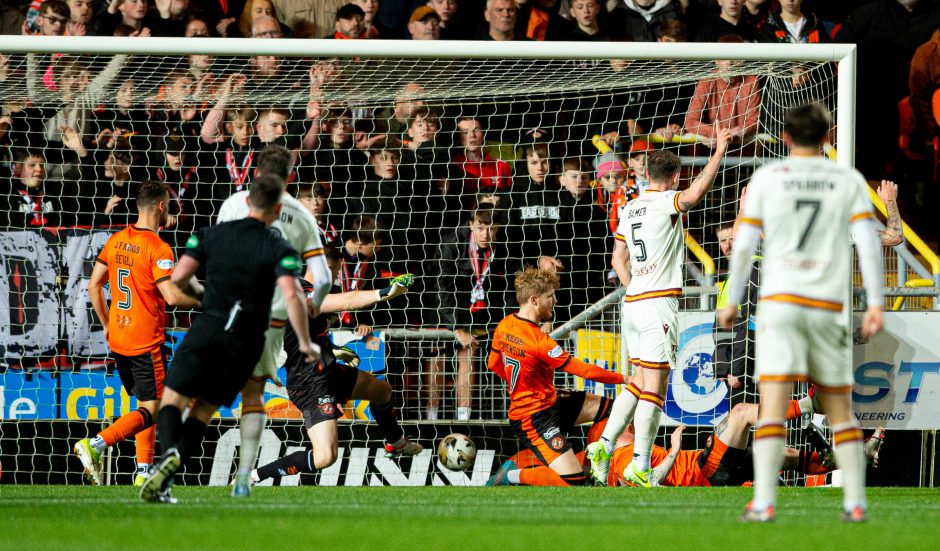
648,255
806,206
299,228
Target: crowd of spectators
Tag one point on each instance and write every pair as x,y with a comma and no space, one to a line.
462,194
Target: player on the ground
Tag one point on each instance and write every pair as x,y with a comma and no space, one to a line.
320,390
243,261
648,256
137,265
526,358
726,459
805,206
299,228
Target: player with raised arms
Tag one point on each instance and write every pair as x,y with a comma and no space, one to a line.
243,262
137,265
526,358
299,228
648,254
806,206
319,390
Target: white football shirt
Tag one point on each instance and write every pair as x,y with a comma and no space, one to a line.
805,206
295,224
651,226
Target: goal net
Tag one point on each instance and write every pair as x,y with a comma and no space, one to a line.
403,152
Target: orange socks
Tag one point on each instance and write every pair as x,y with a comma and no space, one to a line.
127,425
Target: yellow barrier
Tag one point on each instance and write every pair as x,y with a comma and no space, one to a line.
708,264
899,301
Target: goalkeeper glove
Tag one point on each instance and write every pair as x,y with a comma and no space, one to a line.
346,355
399,286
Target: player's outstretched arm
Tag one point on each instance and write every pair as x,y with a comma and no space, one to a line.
662,470
99,274
297,314
592,372
893,233
691,196
357,300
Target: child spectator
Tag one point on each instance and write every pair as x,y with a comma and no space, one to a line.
336,159
450,27
369,9
585,13
316,198
471,288
610,173
583,240
30,201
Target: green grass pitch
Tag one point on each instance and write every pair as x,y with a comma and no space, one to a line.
60,517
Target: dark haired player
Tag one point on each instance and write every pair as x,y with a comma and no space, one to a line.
137,265
318,390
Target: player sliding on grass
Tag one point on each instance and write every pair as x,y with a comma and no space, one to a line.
726,459
648,256
318,390
138,266
526,358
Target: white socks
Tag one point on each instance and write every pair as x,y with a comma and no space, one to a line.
850,458
646,422
620,416
250,427
463,414
769,442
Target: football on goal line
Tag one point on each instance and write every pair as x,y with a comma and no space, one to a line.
456,451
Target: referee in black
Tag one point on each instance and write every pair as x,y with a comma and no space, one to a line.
243,261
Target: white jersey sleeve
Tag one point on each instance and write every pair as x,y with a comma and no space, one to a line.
651,227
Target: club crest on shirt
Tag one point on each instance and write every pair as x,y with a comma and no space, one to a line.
557,443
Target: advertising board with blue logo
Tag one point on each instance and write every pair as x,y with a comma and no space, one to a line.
897,373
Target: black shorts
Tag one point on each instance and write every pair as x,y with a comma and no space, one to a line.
546,432
143,375
723,465
213,364
322,396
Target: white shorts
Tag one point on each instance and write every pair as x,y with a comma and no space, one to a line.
269,362
795,343
652,331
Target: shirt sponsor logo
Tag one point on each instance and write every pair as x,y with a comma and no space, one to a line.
165,264
550,433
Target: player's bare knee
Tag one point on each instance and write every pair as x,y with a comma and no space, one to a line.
324,456
150,405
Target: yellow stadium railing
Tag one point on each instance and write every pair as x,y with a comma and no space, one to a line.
708,263
899,301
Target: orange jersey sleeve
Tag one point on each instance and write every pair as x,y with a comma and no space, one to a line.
137,261
526,359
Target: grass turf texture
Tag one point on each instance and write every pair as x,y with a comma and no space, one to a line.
55,517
